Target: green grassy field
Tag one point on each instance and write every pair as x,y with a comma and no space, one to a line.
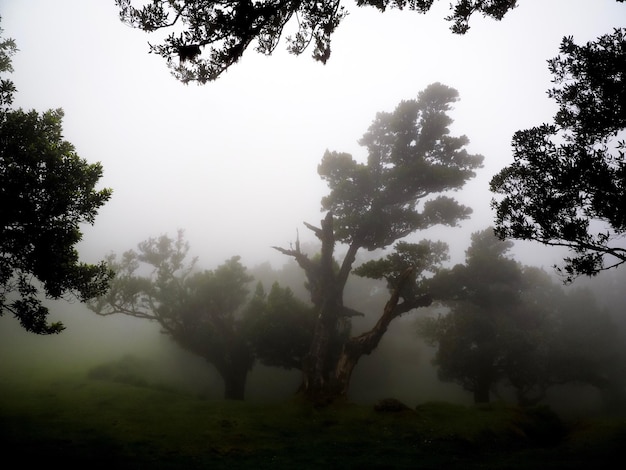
78,422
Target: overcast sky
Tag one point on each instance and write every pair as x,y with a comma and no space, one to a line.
234,162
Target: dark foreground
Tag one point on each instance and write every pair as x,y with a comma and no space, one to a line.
82,423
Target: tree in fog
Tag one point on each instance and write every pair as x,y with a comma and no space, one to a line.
585,346
196,309
206,38
46,192
280,327
411,161
566,186
512,326
482,295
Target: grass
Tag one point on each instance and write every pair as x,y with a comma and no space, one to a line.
75,421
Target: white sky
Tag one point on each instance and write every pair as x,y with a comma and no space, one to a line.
234,162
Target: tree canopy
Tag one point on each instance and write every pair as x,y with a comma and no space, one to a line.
567,184
207,38
279,327
46,192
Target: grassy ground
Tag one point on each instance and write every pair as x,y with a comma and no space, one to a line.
77,422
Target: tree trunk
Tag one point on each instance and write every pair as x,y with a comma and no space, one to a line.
315,366
327,378
482,390
234,383
328,367
367,342
613,394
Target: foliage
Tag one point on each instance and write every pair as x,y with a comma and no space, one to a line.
47,192
423,259
280,327
8,48
566,186
229,27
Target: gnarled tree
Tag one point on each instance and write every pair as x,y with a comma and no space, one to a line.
412,161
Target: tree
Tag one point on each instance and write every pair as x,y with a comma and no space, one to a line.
197,310
586,347
46,191
280,327
228,27
512,326
481,295
412,161
567,184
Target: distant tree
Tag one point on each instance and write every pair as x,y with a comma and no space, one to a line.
586,347
229,27
512,326
482,295
46,193
200,311
563,337
280,327
566,186
412,161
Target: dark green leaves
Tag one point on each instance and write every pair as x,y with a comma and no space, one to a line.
280,327
46,192
424,258
567,184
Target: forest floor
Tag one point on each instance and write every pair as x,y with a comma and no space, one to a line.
76,421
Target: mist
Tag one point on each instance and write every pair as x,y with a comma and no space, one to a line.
234,165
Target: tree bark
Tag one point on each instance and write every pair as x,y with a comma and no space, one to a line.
234,383
482,390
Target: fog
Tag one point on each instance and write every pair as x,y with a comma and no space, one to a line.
234,163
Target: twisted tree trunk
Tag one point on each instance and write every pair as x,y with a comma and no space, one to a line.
328,367
365,343
331,380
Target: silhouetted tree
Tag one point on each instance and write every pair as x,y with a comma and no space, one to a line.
198,310
566,186
46,192
411,161
228,27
